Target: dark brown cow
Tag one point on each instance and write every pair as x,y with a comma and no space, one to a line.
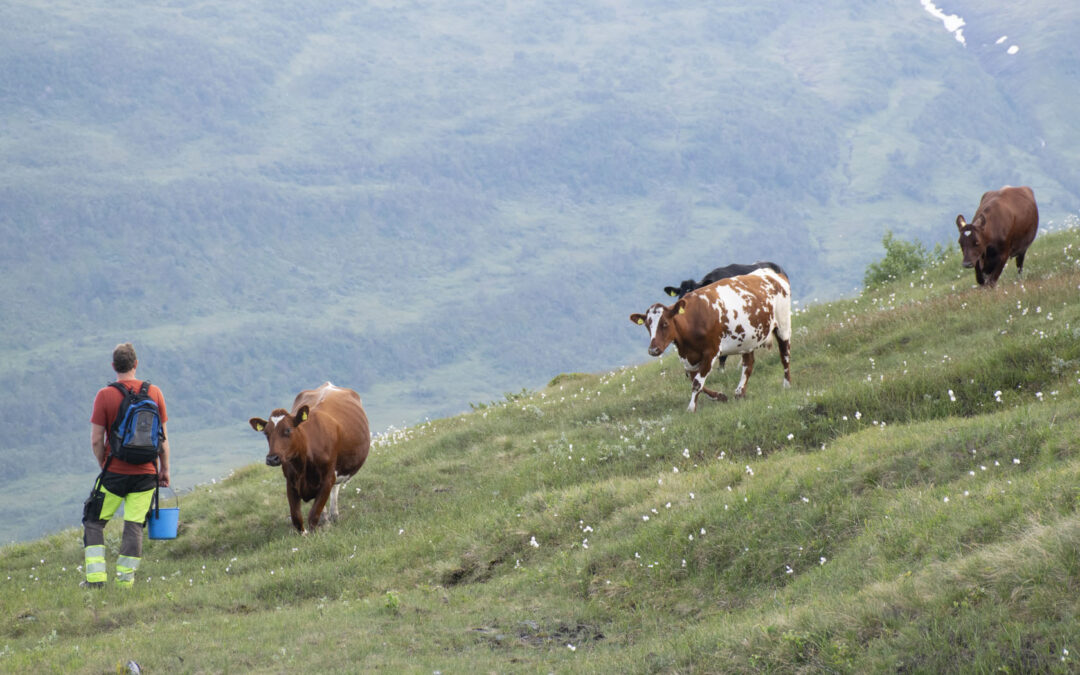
1003,227
732,316
319,446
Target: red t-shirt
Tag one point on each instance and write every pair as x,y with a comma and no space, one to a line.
106,405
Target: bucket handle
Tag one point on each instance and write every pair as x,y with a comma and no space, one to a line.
155,507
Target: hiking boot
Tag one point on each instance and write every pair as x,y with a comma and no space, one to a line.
91,584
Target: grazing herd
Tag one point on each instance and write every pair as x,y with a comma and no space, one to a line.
324,439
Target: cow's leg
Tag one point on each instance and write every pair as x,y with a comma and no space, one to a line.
1020,264
699,386
785,357
722,361
709,359
747,369
994,272
980,278
697,381
333,502
320,501
294,508
714,395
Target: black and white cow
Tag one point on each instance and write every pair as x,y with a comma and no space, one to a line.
726,272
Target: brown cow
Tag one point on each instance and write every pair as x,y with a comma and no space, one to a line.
732,316
1003,227
319,446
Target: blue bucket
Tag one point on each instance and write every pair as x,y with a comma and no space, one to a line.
165,522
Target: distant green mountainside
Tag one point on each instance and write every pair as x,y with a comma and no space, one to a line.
439,203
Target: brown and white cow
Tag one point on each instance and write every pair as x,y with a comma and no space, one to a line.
731,316
1003,227
319,446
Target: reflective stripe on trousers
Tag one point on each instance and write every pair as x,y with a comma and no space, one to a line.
94,557
125,569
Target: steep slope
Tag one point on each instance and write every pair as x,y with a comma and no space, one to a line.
910,504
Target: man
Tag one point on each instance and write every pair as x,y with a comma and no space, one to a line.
122,482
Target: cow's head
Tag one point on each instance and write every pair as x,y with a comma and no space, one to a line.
682,289
279,433
659,320
972,239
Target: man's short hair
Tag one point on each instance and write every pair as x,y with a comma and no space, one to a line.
123,358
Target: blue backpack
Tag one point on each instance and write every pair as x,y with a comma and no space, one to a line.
136,433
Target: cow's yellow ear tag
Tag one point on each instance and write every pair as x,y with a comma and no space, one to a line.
303,416
682,310
640,321
260,427
673,294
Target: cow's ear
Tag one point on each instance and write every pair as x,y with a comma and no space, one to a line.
301,415
960,224
679,307
257,424
638,318
672,291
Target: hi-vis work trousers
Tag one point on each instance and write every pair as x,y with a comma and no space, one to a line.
135,494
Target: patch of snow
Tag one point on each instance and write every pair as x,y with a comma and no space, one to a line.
953,23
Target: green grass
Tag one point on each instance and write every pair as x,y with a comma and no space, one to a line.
863,521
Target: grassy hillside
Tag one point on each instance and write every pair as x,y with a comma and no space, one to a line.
911,504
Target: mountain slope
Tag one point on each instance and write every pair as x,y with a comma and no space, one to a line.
910,504
439,203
